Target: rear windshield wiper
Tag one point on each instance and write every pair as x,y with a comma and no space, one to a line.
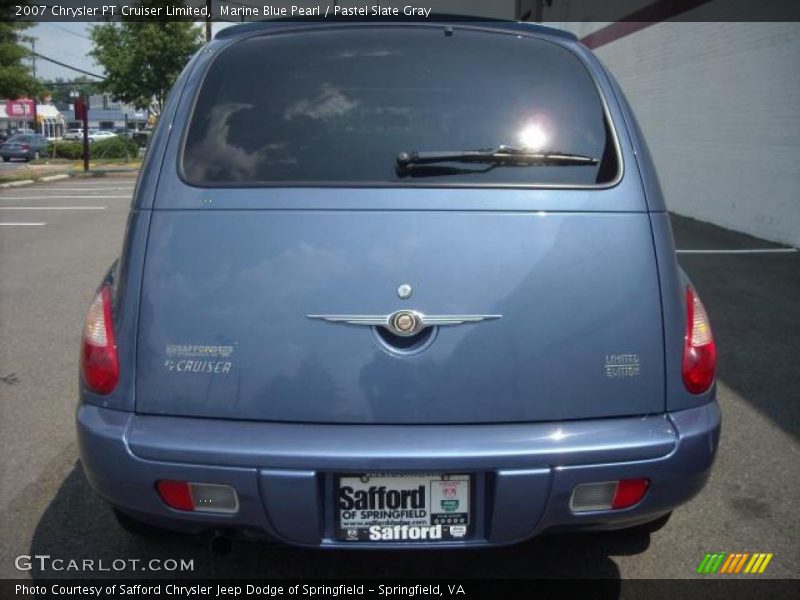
503,155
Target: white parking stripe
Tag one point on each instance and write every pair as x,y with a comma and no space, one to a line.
52,207
22,224
77,189
54,197
749,251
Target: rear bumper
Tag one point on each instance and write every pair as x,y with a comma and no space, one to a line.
284,474
17,153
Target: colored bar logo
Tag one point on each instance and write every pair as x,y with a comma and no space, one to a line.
734,563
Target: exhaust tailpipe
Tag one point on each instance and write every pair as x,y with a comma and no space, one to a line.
221,544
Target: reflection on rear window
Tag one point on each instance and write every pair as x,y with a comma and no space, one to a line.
338,106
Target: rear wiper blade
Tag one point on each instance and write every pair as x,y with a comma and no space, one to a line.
502,155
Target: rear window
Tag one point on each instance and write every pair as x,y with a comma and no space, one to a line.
339,106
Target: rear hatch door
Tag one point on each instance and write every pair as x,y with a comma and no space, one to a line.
283,202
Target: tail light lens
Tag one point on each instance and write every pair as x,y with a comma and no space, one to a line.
176,494
25,147
608,495
199,497
629,492
99,362
699,349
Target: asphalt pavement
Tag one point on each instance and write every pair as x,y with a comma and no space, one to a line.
12,165
58,239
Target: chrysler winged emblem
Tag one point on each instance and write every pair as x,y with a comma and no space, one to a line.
405,322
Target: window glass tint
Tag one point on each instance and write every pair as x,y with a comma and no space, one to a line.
338,106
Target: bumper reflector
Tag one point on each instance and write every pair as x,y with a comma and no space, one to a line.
198,497
608,495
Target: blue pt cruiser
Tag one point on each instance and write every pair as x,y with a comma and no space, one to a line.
396,284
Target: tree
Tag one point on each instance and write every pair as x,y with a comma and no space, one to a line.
62,88
16,80
143,59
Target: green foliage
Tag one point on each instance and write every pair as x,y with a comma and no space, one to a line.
143,59
16,80
112,148
85,86
70,150
116,147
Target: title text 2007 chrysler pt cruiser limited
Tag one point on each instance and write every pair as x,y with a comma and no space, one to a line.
393,285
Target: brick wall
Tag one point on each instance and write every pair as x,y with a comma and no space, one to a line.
719,104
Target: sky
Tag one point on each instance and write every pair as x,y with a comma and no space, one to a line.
66,42
69,42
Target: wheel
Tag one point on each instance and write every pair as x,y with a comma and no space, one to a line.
136,527
6,158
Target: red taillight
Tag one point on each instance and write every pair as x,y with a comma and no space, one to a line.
629,492
176,494
699,349
608,495
25,147
99,363
200,497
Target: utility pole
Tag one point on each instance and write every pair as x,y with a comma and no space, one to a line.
209,10
33,55
539,11
35,100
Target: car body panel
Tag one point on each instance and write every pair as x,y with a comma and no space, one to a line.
283,497
247,280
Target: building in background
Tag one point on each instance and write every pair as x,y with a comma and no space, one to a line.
717,101
18,115
107,113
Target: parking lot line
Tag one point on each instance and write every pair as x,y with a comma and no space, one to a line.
83,197
80,189
747,251
22,224
52,207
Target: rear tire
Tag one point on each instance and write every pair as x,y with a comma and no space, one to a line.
136,527
6,158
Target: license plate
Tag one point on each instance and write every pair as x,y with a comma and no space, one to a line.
405,508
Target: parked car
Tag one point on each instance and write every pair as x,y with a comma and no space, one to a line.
124,132
424,295
73,135
26,146
97,135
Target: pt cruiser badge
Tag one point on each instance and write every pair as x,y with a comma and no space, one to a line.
405,322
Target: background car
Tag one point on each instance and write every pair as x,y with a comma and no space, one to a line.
124,132
26,146
73,135
97,135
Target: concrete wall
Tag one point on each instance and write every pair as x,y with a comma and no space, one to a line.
719,104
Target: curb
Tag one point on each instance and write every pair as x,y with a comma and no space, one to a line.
106,173
19,183
79,174
54,177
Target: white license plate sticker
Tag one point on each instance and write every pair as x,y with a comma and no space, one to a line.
403,508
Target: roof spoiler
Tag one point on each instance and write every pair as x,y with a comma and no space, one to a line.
501,24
